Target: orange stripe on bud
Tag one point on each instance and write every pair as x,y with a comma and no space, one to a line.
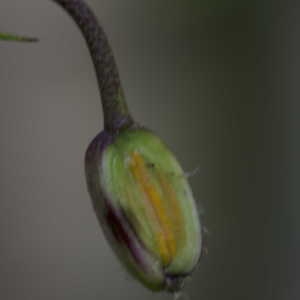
173,209
165,238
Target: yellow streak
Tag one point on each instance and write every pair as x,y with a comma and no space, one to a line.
174,210
165,239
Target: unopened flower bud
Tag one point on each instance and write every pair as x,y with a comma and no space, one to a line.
139,191
145,205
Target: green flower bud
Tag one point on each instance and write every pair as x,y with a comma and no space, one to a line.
139,191
145,205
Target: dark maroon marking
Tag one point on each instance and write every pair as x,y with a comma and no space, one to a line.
175,283
98,144
117,229
121,229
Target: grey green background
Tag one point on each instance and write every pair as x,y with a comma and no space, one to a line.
217,80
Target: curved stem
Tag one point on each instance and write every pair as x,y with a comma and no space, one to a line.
116,114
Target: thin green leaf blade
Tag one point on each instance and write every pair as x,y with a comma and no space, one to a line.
16,38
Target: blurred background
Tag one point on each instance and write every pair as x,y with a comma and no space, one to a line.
217,80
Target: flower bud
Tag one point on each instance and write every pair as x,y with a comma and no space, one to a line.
139,191
145,206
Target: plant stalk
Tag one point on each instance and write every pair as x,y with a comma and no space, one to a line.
115,110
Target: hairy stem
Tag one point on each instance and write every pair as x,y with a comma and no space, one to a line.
116,114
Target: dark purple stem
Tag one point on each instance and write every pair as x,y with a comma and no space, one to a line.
116,114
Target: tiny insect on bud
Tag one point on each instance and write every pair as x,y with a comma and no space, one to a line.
145,205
